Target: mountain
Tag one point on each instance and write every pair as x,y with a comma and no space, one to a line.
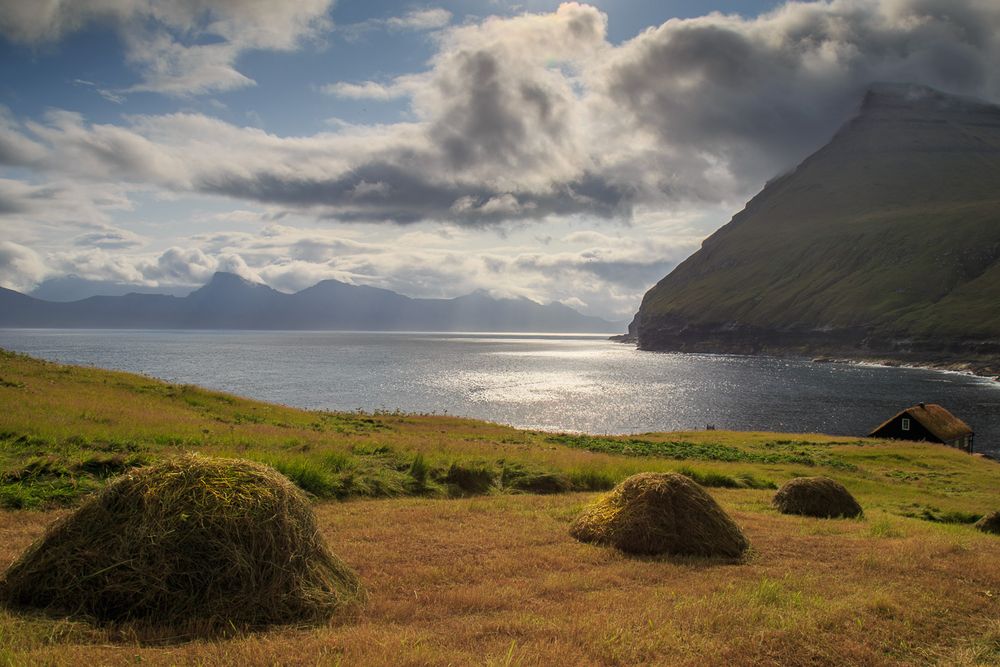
886,241
75,288
228,301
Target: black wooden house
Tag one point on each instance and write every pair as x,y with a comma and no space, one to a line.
927,422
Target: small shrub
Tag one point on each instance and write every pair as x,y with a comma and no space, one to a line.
518,478
419,471
308,476
108,465
467,479
338,462
588,479
720,480
990,523
950,516
884,528
41,468
712,479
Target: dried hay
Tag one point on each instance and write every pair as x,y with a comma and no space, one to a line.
196,543
661,513
990,523
816,496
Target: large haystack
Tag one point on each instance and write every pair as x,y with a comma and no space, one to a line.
660,513
990,523
816,496
193,543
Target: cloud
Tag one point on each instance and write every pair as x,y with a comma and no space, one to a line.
58,209
16,149
535,118
110,239
179,48
191,266
420,19
606,273
415,20
372,90
538,115
20,267
747,98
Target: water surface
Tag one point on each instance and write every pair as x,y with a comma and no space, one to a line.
552,382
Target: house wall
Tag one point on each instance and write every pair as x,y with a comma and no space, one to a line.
894,430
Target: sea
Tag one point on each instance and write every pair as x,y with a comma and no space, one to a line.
551,382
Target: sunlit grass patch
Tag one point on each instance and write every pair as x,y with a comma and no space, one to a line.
885,528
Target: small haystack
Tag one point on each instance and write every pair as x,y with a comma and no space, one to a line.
990,523
816,496
660,513
198,543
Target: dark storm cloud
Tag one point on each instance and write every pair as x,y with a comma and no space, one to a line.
405,195
760,94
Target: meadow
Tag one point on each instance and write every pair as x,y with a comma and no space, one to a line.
458,529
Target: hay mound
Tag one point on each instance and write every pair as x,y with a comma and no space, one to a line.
990,523
816,496
660,513
193,543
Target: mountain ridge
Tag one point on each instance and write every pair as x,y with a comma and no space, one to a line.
884,242
228,301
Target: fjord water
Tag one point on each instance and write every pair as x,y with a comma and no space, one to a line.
550,382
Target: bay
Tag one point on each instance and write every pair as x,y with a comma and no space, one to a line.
581,383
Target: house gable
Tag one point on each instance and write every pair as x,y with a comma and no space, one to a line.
929,423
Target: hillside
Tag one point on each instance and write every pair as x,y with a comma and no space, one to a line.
885,242
228,301
466,573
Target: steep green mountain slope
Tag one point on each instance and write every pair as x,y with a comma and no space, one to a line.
886,240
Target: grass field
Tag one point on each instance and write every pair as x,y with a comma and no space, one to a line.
466,562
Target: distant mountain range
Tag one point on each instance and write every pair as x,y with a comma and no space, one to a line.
885,242
75,288
228,301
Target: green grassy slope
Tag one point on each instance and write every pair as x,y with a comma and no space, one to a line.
65,430
891,230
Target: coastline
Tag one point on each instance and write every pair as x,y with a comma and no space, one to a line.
983,368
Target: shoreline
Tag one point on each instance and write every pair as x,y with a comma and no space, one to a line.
989,370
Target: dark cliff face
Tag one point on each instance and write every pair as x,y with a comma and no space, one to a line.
885,240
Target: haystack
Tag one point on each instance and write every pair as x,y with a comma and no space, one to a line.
660,513
197,543
816,496
990,523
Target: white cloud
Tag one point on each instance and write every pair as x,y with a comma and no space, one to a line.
110,238
533,118
416,20
420,19
162,38
59,209
368,90
20,267
538,115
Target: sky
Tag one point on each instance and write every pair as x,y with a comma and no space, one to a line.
560,152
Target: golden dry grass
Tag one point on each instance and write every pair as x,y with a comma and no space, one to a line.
497,580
